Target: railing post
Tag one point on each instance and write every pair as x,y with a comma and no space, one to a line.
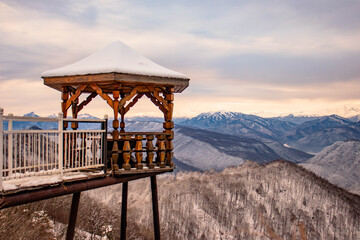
1,147
61,143
104,143
10,145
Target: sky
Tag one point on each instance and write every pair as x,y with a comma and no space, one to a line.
259,57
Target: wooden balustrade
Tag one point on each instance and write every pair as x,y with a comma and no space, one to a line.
130,150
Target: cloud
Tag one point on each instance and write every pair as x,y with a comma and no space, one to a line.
234,50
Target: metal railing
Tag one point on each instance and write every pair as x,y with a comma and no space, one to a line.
30,152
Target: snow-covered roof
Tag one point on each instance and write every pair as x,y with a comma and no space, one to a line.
115,58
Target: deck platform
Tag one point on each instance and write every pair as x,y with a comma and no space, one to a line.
37,188
29,184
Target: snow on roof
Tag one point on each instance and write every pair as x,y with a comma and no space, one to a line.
114,58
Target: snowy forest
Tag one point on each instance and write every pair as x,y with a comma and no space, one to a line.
278,200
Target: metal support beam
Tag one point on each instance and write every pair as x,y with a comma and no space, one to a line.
124,210
64,189
155,207
73,215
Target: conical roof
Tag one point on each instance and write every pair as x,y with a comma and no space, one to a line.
117,58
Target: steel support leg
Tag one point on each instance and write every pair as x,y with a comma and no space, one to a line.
124,210
155,207
73,215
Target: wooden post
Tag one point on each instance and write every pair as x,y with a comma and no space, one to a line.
168,126
74,108
122,123
124,211
64,98
73,215
115,133
155,207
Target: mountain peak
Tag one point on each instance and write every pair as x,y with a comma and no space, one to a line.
31,114
86,116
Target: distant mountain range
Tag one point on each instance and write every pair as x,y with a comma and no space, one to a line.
308,134
339,163
221,139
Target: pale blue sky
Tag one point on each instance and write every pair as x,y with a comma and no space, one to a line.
277,57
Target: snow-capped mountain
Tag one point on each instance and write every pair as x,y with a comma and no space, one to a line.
200,149
339,163
241,124
296,119
86,116
31,114
313,136
355,118
207,150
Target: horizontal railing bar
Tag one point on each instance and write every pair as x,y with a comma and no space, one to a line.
31,131
85,167
34,166
84,131
46,119
30,119
84,120
142,133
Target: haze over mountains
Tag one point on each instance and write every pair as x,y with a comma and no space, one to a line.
257,199
237,137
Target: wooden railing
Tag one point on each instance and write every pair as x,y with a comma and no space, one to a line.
25,152
142,149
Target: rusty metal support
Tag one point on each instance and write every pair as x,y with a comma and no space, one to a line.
155,207
15,199
73,214
124,210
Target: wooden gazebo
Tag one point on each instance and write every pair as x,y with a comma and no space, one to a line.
121,76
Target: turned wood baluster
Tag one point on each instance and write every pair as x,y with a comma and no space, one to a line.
169,150
161,151
150,151
126,152
138,151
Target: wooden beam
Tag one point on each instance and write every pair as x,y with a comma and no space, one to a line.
102,94
129,96
157,96
86,101
130,105
75,96
156,102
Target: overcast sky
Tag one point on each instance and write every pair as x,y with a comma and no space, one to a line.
264,57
